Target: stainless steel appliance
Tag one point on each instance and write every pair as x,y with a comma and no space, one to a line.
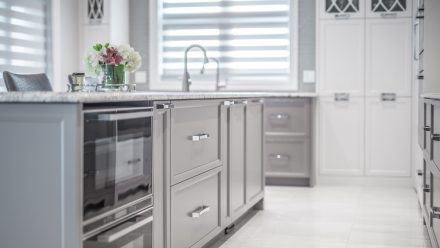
117,176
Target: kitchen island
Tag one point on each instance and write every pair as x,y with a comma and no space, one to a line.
207,161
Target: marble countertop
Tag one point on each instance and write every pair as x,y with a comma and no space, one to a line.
435,96
86,97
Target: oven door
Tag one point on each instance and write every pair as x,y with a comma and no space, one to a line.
134,233
117,160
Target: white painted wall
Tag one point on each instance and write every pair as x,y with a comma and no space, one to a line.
65,41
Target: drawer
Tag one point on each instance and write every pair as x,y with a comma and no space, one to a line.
426,187
287,157
195,211
195,138
434,213
427,125
434,139
288,116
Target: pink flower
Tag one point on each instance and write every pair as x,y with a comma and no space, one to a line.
112,56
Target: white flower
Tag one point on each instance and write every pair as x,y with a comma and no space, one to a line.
131,58
91,62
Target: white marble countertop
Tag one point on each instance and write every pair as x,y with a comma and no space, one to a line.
86,97
435,96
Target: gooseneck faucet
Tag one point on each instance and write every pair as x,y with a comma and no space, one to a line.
217,75
186,82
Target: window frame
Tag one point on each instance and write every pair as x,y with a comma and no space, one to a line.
155,55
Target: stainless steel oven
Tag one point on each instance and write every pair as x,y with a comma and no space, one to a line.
117,167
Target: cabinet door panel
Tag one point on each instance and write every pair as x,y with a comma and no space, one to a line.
254,150
388,137
388,8
341,57
337,9
236,151
388,56
341,132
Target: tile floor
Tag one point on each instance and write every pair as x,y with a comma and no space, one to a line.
334,217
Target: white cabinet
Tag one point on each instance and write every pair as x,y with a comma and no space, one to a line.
388,56
388,8
388,137
337,9
341,136
341,56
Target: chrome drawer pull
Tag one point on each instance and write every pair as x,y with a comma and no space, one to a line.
280,117
280,156
244,102
419,173
435,212
426,128
426,189
388,97
228,103
200,211
342,16
199,137
342,97
435,137
124,116
386,15
165,106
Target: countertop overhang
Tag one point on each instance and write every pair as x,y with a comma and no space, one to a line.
91,97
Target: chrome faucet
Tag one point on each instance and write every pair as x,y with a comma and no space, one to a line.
186,82
218,87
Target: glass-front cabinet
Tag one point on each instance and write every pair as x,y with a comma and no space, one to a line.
341,9
388,8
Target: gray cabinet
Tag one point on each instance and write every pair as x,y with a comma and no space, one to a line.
287,156
254,149
236,157
195,210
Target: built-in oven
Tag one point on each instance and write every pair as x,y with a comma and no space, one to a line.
117,172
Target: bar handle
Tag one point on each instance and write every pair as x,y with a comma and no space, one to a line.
388,15
342,16
419,173
165,106
124,116
435,137
342,97
388,97
435,212
426,188
200,211
200,137
427,128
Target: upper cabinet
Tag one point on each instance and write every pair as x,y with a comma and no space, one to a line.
388,56
388,8
341,59
341,9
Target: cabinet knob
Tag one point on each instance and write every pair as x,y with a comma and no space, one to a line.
435,137
199,137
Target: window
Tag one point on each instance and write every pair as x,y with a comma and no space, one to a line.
255,41
23,36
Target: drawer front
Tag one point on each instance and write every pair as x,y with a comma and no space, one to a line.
427,188
427,127
288,157
195,211
434,212
434,150
195,131
288,116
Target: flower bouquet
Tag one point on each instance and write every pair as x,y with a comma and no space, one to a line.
112,62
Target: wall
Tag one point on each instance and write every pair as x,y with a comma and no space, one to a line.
65,40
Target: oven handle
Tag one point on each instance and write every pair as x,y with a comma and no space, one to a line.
124,116
122,230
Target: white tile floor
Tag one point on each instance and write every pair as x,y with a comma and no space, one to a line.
334,217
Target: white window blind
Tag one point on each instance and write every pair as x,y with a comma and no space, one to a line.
23,36
251,38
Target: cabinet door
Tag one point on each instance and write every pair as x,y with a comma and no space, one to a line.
340,9
388,137
341,57
254,149
388,56
341,136
236,158
388,8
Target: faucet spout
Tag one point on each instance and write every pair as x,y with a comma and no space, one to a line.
186,81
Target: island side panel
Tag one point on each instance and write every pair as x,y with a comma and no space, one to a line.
40,175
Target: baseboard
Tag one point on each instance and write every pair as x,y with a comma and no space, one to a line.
365,181
285,181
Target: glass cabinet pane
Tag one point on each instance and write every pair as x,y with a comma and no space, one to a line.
341,6
379,6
